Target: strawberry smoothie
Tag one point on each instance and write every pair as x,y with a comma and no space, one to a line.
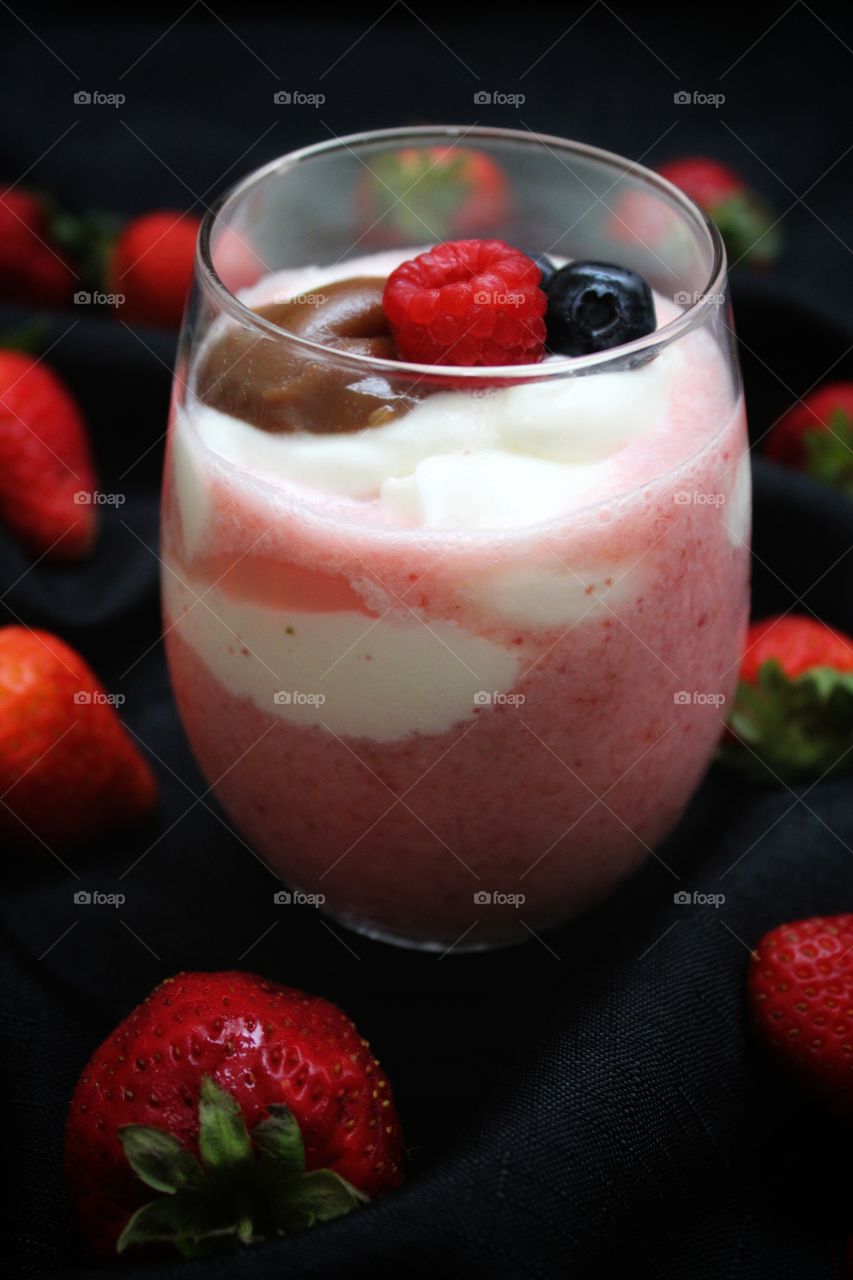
460,670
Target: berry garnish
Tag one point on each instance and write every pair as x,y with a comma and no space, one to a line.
467,302
593,306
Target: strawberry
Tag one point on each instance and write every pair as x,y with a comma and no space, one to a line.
746,224
151,266
435,193
68,770
801,1001
46,473
792,716
816,436
169,1100
33,269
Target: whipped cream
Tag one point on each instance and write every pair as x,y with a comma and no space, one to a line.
362,677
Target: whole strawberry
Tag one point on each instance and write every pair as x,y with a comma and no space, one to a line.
746,224
256,1108
33,268
47,477
434,193
792,717
816,436
68,769
151,266
801,1001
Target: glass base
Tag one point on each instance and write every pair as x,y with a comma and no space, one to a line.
464,945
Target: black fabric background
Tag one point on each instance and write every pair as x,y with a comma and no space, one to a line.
593,1108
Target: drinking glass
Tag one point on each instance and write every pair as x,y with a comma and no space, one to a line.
451,733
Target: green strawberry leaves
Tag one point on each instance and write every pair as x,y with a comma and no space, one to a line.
247,1188
748,229
791,730
830,452
159,1159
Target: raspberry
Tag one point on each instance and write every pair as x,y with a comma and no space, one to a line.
467,302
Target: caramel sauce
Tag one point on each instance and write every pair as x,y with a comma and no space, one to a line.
275,385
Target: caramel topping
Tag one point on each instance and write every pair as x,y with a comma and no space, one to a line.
275,385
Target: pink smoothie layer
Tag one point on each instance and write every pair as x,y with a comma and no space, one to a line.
404,717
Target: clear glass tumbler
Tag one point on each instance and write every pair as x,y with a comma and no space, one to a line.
453,647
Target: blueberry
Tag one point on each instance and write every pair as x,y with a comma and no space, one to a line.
546,266
593,306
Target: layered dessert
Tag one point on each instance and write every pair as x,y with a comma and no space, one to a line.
452,611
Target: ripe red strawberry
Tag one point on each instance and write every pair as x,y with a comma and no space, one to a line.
746,224
467,302
33,269
434,192
151,264
46,473
816,436
68,769
792,716
204,1058
801,1000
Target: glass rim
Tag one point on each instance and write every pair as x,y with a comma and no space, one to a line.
691,317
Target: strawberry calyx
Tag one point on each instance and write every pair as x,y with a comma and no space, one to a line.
748,229
243,1189
791,728
829,451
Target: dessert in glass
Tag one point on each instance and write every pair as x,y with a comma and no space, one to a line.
455,524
